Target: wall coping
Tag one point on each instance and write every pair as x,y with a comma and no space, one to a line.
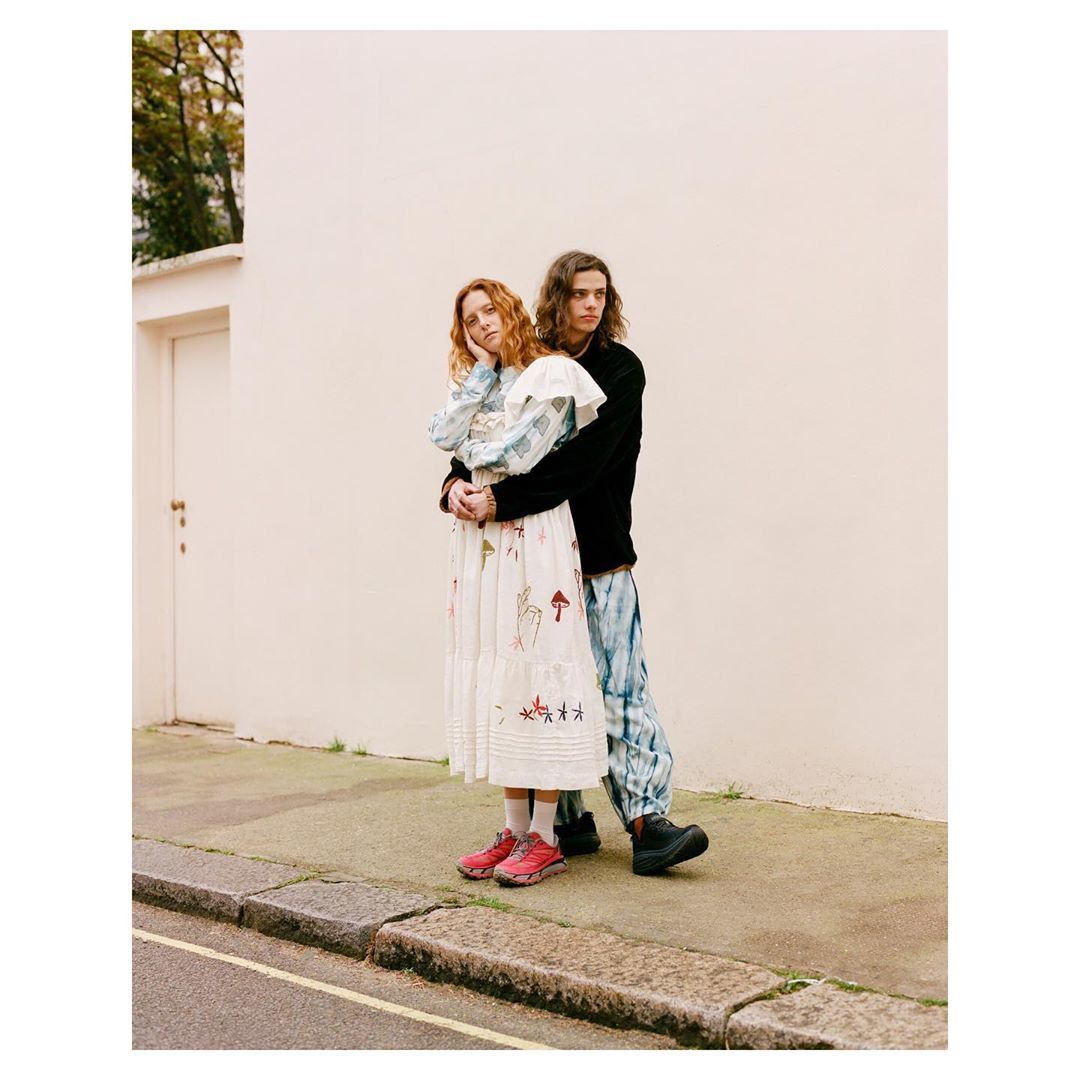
208,256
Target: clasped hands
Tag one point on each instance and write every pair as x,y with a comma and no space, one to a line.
467,501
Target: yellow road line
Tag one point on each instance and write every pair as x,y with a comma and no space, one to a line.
348,995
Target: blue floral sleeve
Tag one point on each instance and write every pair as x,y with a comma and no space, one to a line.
542,427
450,425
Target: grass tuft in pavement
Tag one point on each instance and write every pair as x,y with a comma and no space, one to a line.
487,901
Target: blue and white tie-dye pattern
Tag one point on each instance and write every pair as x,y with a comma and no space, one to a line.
639,758
481,396
522,444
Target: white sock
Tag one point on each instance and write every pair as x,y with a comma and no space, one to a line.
517,815
543,820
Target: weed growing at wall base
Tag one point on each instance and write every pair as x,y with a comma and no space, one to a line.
336,746
730,792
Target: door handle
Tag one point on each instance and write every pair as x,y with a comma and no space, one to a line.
177,504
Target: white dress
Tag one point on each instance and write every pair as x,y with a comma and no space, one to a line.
523,703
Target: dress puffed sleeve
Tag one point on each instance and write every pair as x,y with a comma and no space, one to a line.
548,404
450,425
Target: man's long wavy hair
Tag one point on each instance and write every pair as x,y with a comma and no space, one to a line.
520,345
552,305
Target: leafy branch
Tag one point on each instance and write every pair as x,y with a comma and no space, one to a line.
187,141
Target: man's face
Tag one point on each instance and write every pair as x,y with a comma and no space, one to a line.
588,295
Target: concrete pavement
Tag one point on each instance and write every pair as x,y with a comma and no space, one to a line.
787,891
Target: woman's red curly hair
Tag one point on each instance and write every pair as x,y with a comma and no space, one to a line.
520,345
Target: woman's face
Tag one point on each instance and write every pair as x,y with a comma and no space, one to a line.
481,320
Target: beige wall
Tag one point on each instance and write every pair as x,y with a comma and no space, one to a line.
773,208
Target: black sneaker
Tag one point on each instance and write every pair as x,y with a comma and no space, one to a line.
663,844
579,837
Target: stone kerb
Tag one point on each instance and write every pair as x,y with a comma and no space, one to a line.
825,1017
201,882
340,915
584,973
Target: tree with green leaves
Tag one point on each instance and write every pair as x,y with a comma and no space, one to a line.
187,150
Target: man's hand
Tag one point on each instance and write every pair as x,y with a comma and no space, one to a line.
455,499
476,505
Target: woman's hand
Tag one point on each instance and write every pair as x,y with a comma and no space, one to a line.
476,505
455,499
481,354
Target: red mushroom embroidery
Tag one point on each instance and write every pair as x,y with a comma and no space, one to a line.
558,602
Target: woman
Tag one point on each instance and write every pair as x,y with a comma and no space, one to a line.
523,704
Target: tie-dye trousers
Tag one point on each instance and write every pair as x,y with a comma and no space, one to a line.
639,758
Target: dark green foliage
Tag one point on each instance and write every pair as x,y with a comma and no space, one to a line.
187,148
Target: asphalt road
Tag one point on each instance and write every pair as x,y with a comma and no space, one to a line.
194,988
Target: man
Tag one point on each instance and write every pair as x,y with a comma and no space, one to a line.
580,313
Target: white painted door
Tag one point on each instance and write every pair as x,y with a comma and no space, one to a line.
202,528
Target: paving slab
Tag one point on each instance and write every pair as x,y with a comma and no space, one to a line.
338,915
201,882
861,897
825,1017
584,973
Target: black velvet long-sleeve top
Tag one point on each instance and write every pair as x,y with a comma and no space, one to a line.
595,470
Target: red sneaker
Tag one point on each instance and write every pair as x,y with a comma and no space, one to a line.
481,864
532,860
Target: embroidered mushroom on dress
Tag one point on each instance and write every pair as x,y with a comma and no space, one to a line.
558,602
